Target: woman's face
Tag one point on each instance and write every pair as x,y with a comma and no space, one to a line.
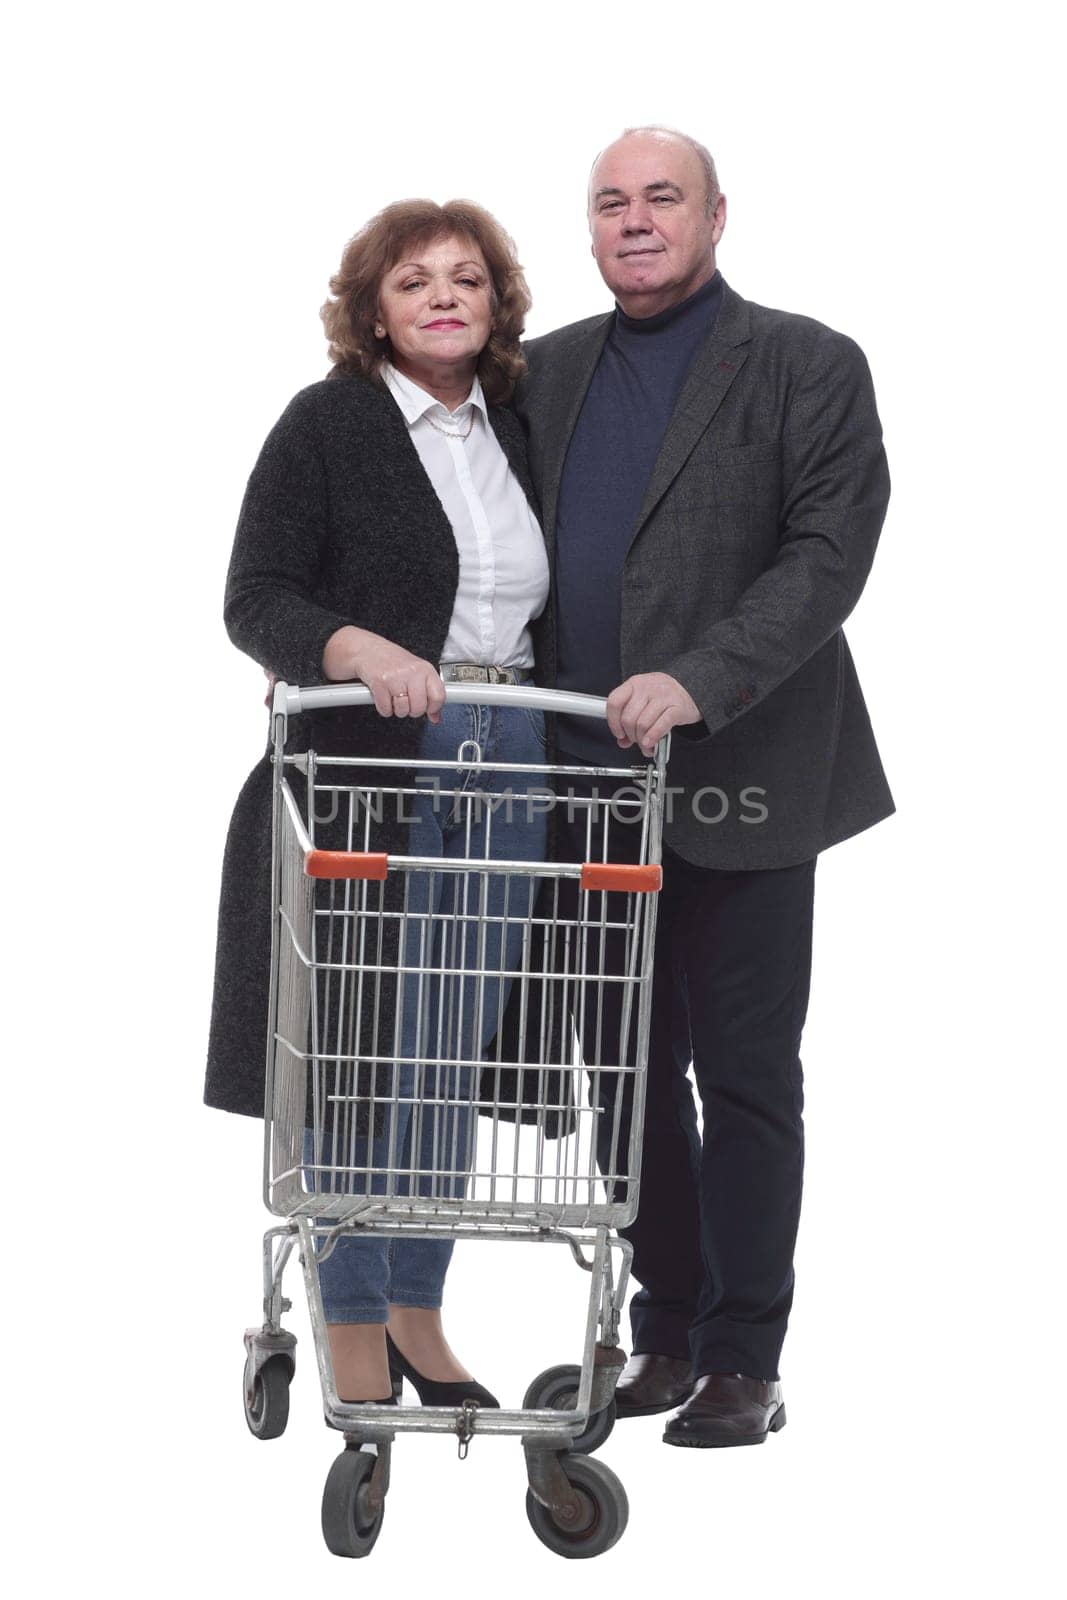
435,307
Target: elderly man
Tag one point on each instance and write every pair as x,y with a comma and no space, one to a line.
713,486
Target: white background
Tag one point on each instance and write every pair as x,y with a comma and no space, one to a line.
182,182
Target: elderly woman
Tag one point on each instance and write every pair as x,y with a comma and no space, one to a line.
387,535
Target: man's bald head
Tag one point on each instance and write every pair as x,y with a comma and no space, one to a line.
700,151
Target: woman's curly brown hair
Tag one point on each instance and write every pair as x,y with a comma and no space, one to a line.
349,316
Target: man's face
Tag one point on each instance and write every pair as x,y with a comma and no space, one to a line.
653,239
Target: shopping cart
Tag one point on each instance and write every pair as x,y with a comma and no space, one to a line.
541,1145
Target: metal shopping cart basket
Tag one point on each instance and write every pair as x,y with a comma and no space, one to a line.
539,1145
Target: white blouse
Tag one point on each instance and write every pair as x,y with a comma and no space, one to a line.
503,569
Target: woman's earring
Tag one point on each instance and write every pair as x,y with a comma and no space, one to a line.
379,331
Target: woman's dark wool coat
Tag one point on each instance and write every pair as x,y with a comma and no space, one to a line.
340,524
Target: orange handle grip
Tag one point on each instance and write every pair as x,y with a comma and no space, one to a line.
631,880
346,864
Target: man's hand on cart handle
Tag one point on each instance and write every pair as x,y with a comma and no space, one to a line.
645,707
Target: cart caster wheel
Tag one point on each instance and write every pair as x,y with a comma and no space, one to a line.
557,1390
349,1526
267,1401
606,1511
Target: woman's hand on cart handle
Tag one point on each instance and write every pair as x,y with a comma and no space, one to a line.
403,685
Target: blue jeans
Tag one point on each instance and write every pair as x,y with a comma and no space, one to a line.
441,1015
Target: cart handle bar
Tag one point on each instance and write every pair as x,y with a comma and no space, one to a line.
373,864
289,700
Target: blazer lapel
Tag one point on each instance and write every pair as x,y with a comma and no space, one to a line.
714,368
573,374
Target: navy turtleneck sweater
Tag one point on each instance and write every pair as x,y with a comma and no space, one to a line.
612,452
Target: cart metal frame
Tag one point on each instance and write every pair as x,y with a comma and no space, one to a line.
558,1192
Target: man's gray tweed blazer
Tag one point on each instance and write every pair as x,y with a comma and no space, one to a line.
753,544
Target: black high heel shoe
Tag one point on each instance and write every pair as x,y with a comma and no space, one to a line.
429,1390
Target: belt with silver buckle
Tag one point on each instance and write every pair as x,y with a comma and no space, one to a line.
470,672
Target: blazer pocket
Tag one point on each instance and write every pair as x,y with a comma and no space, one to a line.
748,454
747,480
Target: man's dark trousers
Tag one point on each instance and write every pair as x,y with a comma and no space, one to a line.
716,1225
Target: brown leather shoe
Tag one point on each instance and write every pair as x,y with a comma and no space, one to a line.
652,1383
727,1408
